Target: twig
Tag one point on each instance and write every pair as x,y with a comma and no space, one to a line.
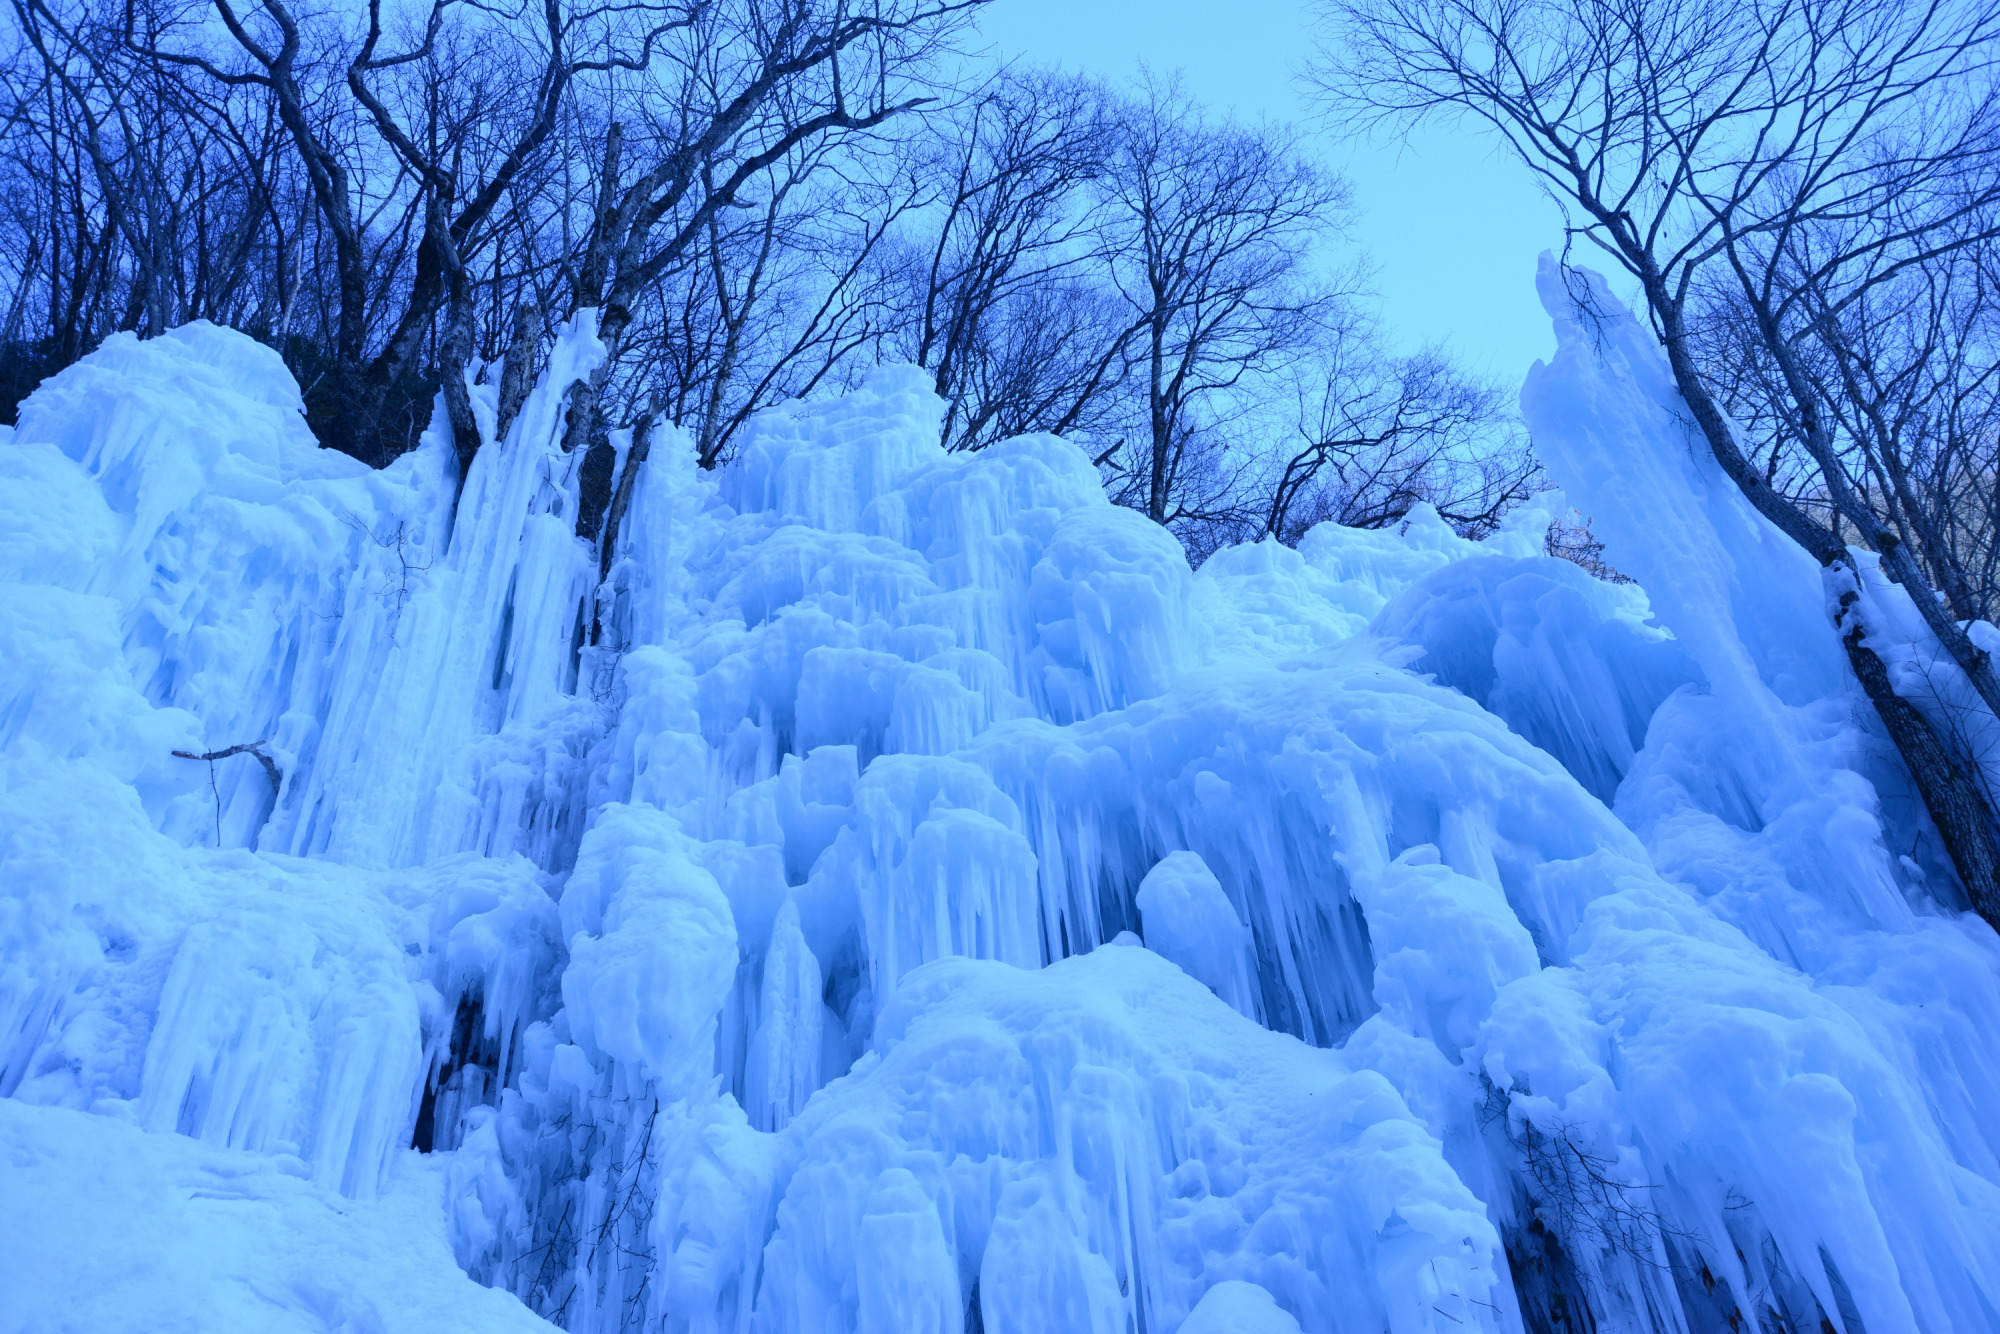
247,748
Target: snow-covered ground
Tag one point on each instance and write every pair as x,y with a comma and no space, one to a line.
903,896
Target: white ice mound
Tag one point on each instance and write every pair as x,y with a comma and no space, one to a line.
124,1230
1235,1307
1190,920
721,937
1101,1137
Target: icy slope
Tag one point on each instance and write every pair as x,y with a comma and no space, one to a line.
115,1230
903,896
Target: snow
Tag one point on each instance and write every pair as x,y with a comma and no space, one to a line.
1235,1307
125,1230
903,895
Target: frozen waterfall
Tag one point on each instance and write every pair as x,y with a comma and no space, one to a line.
903,896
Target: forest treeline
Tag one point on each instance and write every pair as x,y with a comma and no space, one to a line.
763,199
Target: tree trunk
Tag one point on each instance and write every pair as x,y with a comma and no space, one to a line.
1162,428
1949,786
517,377
628,479
456,353
1951,793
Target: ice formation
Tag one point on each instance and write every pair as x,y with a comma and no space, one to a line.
901,895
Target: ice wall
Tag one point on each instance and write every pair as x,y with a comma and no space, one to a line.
902,895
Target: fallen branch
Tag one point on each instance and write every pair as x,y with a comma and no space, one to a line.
247,748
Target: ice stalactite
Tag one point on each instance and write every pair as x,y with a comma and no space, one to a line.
454,720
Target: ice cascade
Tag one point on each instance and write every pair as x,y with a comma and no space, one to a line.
894,892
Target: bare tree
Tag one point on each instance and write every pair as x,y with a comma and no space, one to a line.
1214,226
797,290
751,86
129,191
1377,435
1802,152
436,152
1909,372
176,188
62,240
1015,224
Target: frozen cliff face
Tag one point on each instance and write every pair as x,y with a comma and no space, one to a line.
902,895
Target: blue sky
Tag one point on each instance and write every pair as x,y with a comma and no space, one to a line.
1452,226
